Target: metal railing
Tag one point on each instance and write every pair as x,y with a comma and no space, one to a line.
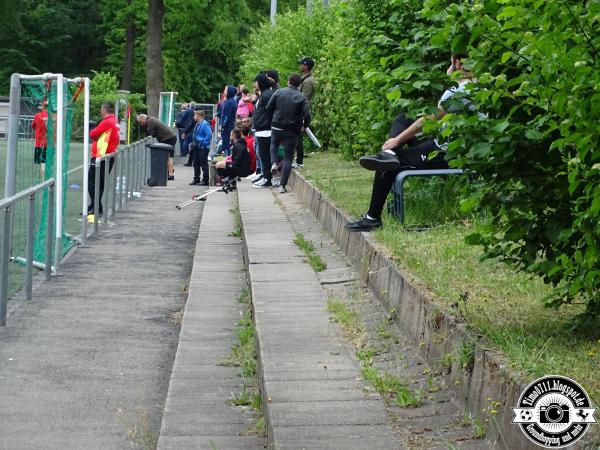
131,163
122,184
6,206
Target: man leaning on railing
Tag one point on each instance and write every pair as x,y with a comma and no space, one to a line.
106,141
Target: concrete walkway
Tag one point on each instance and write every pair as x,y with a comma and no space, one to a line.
86,364
312,392
198,414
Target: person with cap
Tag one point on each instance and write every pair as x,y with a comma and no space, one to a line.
308,87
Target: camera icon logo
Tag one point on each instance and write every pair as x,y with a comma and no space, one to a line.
554,412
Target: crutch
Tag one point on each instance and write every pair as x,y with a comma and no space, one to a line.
201,197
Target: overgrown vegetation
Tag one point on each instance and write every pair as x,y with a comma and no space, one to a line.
314,260
504,306
536,199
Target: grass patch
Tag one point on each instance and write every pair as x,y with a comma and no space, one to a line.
354,330
505,306
314,260
237,222
139,432
243,355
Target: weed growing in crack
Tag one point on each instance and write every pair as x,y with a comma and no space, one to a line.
314,260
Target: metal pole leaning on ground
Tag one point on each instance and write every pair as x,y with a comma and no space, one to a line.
86,158
49,222
29,252
58,160
96,194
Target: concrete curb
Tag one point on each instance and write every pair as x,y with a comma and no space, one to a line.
484,383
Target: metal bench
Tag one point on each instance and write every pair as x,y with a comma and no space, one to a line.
397,204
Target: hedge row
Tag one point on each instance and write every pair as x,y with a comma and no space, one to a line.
536,155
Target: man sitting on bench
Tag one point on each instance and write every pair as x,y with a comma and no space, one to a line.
393,158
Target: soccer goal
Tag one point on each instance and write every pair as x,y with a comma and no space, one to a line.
47,132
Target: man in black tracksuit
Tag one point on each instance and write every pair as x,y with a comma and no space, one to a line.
290,114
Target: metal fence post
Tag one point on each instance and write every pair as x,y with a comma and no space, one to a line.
58,162
13,134
49,222
29,252
86,158
4,260
130,172
114,184
107,189
122,182
96,194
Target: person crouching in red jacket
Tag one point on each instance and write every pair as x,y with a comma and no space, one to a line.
105,138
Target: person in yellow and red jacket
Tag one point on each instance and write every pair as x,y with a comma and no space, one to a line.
105,138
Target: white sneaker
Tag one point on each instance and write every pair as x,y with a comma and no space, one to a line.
274,168
295,165
282,190
264,183
255,177
256,180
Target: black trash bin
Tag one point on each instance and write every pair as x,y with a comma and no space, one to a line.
159,157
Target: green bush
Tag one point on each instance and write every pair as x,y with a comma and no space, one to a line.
535,153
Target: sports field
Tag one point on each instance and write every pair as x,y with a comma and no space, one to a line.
29,174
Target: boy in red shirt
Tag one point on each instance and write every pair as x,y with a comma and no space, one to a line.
40,126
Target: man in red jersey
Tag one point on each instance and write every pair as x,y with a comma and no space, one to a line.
106,140
40,126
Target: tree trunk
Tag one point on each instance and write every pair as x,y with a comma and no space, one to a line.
129,49
154,63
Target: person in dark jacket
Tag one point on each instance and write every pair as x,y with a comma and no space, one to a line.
200,147
163,134
228,119
261,122
239,166
290,114
181,128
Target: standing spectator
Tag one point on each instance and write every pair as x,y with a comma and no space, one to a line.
200,147
261,121
290,114
40,126
239,166
188,123
273,76
244,102
179,124
308,87
163,134
228,119
106,139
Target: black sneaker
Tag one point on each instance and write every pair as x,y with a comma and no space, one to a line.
204,183
380,161
363,224
171,177
187,165
195,183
